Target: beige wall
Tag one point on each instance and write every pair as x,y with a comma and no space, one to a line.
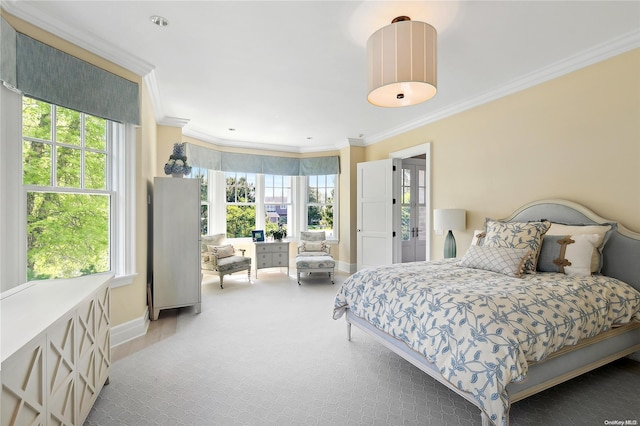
349,159
575,137
130,302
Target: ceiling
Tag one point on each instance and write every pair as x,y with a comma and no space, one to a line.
290,75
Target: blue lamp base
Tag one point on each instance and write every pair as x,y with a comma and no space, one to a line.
449,246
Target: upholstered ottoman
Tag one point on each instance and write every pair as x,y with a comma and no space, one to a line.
315,263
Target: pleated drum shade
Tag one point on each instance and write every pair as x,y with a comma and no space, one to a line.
401,63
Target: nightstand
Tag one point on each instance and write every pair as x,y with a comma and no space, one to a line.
271,255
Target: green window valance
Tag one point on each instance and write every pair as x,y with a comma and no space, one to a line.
48,74
212,159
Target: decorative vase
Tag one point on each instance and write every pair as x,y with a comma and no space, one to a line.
449,246
177,175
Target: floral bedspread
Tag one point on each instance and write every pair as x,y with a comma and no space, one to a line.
481,328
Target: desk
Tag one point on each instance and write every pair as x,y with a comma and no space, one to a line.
271,255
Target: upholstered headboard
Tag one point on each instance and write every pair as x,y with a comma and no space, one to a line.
621,253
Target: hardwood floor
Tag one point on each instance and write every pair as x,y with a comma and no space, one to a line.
158,330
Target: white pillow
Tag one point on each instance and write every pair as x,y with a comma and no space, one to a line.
599,230
478,235
580,254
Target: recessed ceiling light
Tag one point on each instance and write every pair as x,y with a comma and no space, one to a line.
159,21
231,129
309,137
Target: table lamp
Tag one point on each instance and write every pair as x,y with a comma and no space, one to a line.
449,220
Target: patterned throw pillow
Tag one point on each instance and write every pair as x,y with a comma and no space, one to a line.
314,246
569,254
603,231
503,260
226,250
211,240
517,235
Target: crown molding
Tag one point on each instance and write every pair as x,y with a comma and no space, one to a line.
348,142
205,137
154,93
27,12
156,101
575,62
173,121
102,48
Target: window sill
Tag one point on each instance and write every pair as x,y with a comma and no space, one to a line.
122,280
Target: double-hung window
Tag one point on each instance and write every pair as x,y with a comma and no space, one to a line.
277,201
67,181
321,200
205,212
237,203
241,204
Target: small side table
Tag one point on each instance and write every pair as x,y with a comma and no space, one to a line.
271,255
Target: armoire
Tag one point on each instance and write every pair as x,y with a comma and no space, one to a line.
177,275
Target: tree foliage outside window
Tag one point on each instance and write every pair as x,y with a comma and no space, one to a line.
277,202
65,157
241,204
203,176
320,202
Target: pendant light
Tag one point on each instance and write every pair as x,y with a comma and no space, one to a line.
401,61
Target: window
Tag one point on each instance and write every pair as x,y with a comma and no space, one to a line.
66,158
241,204
321,198
238,203
203,176
277,201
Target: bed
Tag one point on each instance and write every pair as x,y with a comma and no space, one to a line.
492,326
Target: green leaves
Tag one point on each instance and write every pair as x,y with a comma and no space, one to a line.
67,233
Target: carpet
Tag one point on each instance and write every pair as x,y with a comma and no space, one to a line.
269,353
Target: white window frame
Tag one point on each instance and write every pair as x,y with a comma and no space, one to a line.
296,223
259,207
336,196
263,203
206,202
13,246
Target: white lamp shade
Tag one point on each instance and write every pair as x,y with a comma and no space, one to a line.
449,219
401,64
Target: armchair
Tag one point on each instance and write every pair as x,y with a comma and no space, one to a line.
314,254
222,260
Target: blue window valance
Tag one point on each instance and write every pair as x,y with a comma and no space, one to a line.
207,158
43,72
8,54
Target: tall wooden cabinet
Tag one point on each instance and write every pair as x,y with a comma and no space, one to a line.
177,275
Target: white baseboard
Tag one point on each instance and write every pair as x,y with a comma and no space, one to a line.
130,330
347,267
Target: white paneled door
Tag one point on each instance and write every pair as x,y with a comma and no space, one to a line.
377,225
